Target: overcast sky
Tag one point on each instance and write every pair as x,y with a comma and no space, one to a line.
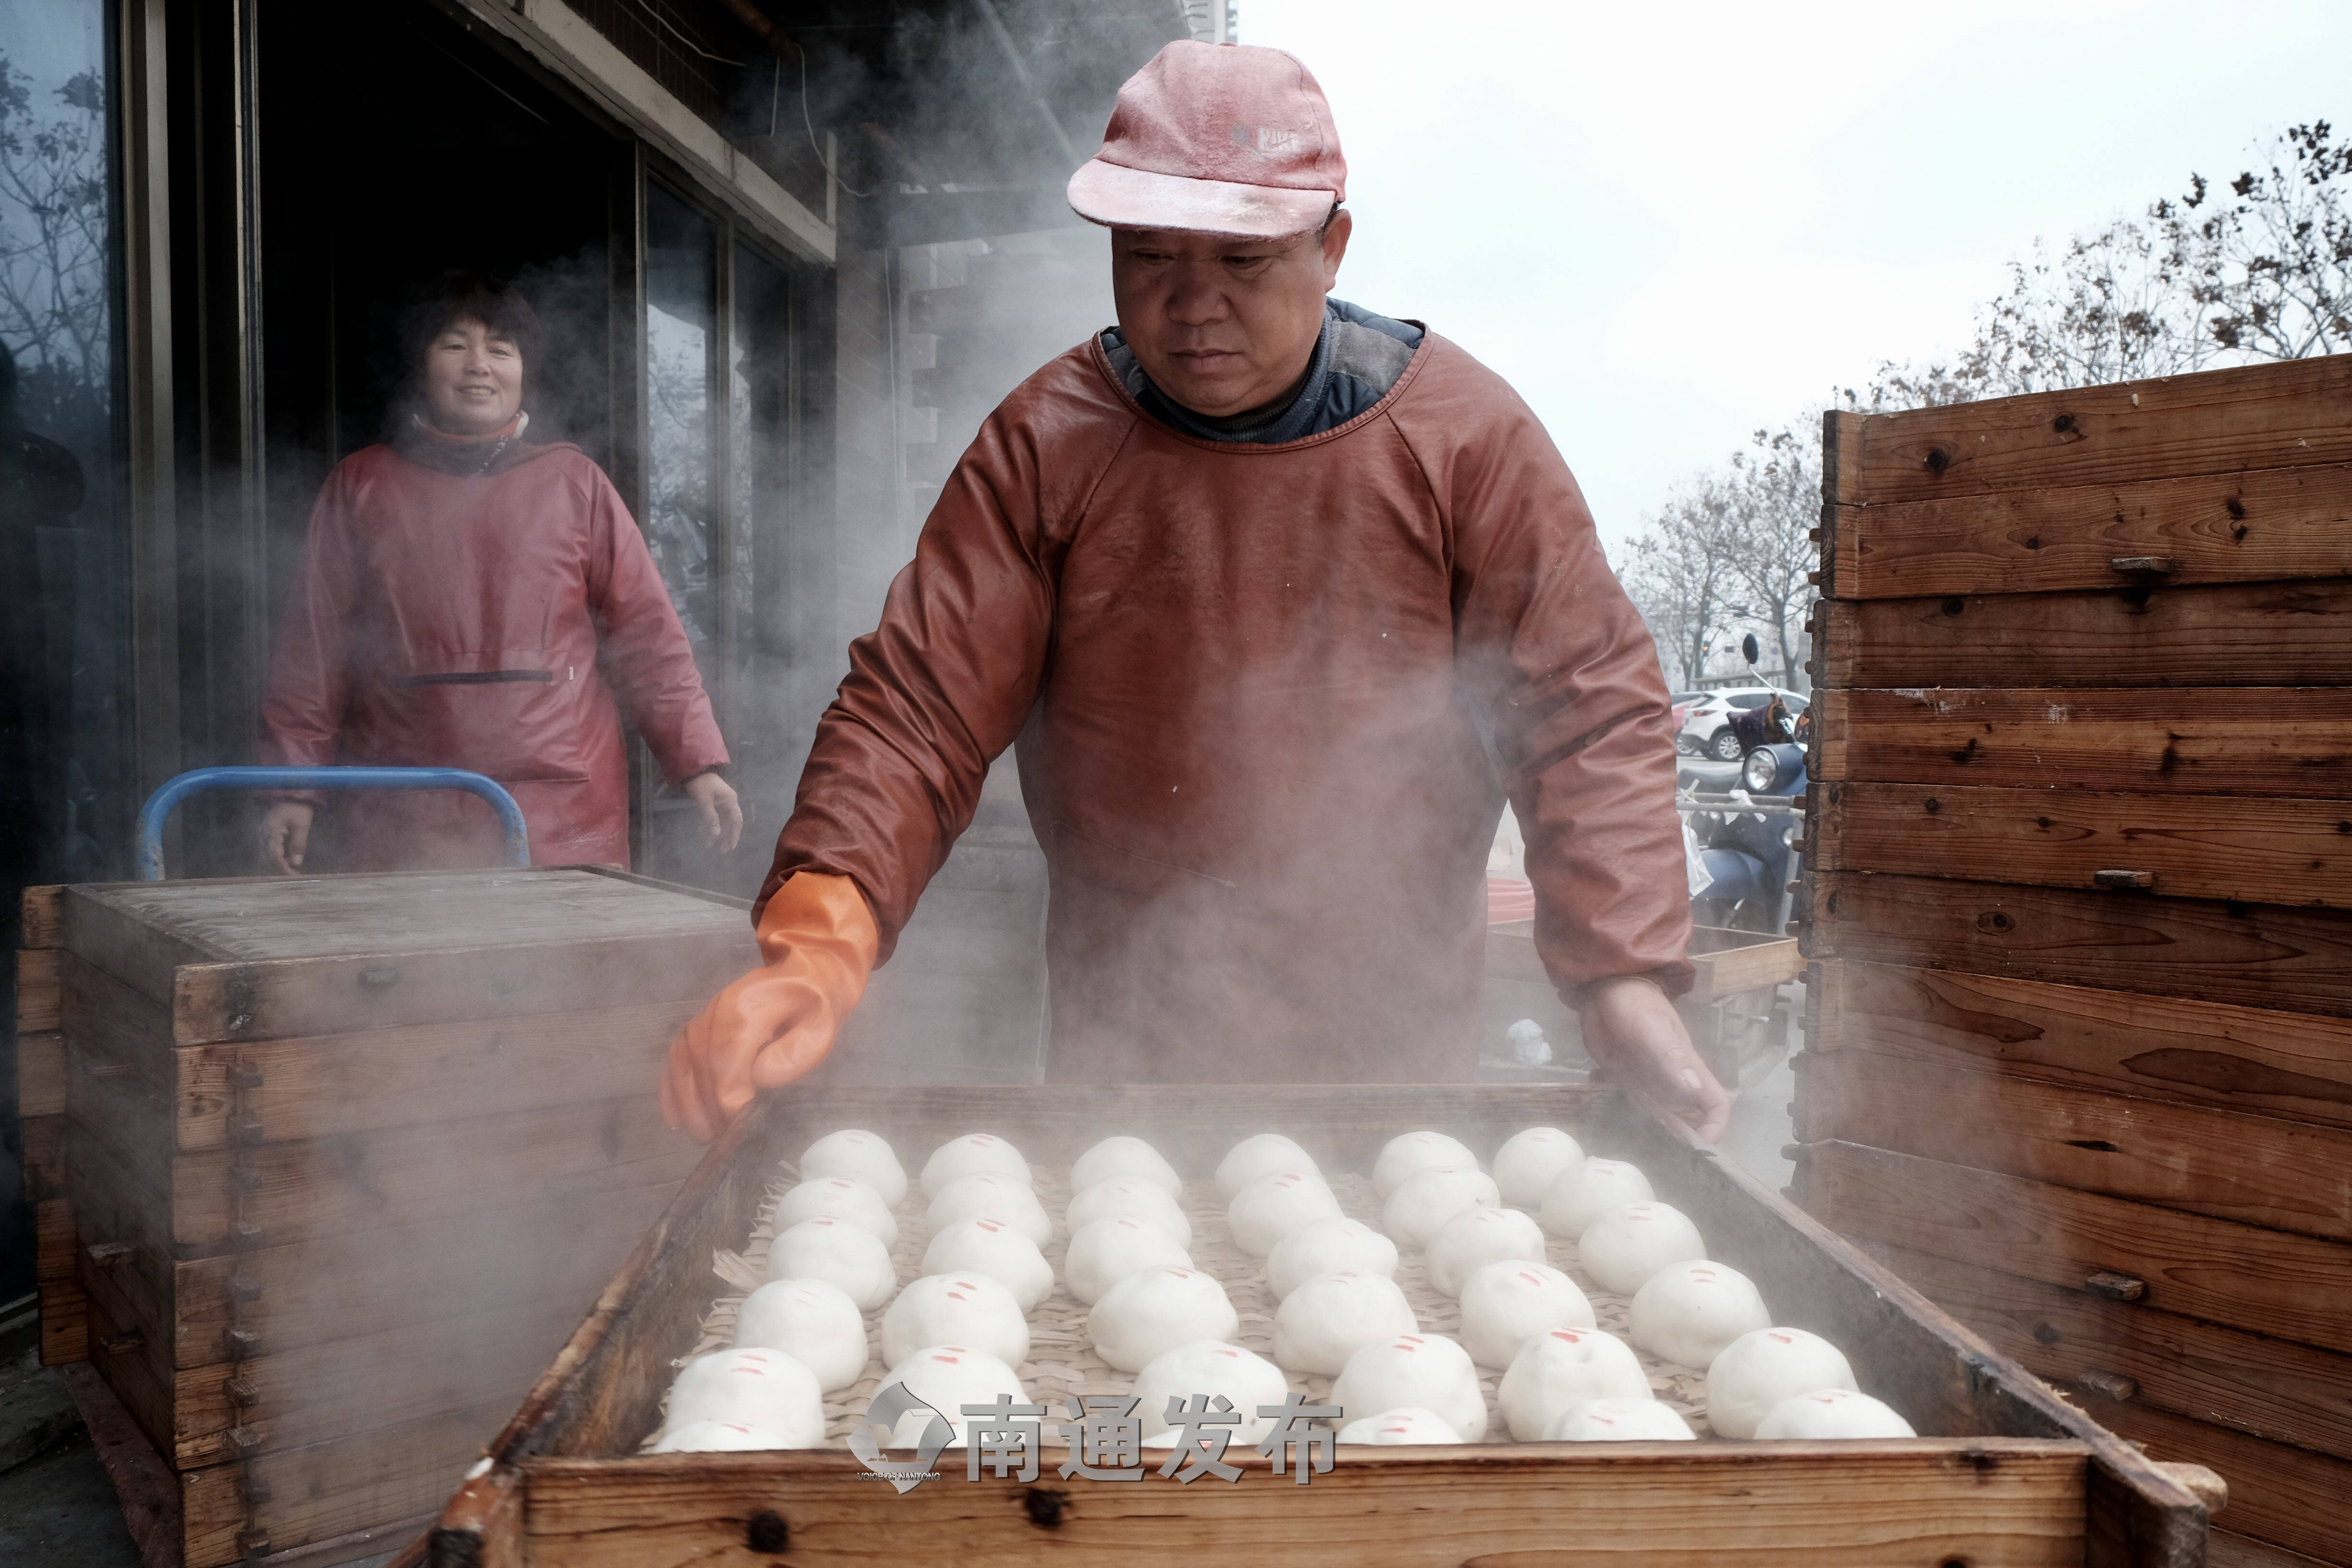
1670,223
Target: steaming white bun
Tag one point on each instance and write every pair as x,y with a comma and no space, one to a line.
1562,1367
1424,1201
719,1438
969,1155
1262,1155
1529,1162
1331,1245
1332,1316
1429,1371
947,1378
1270,1207
1688,1312
1406,1425
811,1321
1832,1413
1624,1246
1153,1310
859,1155
841,1254
963,1307
1409,1154
1109,1250
1588,1189
1505,1304
1209,1367
1127,1194
990,1194
761,1388
997,1249
838,1197
1619,1421
1119,1156
1759,1370
1476,1237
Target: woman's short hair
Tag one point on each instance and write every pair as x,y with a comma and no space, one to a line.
460,295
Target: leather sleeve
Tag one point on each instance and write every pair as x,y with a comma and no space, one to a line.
642,645
1566,674
309,689
938,688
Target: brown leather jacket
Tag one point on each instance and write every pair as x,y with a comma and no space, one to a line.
1269,702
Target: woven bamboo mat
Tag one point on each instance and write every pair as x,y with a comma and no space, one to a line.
1061,1361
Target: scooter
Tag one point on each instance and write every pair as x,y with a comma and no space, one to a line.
1744,831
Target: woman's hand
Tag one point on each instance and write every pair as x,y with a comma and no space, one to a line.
286,835
722,814
1630,1027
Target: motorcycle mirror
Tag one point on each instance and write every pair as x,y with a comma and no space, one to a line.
1750,649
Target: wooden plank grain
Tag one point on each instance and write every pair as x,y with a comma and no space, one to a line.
2238,634
2215,422
2254,1169
41,915
2196,846
36,990
41,1074
2294,1065
2251,955
2231,1550
1997,1501
2289,741
2289,1496
2229,527
327,1084
2266,1281
2269,1387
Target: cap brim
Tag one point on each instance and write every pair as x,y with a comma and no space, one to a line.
1120,197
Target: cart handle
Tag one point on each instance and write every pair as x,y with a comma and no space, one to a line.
159,807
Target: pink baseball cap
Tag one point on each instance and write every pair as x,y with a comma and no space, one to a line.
1220,138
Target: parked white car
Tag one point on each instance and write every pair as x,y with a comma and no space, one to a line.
1704,732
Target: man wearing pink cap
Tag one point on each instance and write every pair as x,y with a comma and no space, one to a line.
1279,601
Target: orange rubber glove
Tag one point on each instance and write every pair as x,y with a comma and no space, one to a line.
777,1023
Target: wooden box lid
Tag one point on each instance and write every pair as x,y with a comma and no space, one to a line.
264,958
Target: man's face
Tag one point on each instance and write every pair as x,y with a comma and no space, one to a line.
1224,325
473,379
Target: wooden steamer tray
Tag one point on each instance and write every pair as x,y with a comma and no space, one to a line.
2009,1476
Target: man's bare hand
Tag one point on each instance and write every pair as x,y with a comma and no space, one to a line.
1629,1027
722,814
286,835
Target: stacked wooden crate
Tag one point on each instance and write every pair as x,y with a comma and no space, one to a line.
2080,846
344,1159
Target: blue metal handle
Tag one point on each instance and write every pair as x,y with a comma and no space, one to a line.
158,809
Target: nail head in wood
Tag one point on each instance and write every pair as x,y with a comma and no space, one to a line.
2116,1287
2118,879
2157,565
243,1440
243,1343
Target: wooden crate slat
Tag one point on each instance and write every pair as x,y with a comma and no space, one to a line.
2236,527
2252,955
324,1490
41,917
1997,1502
36,990
2256,1170
2296,1065
135,1365
2194,847
2267,1281
2272,1388
321,1085
2240,634
2231,1550
2286,741
41,1074
310,1293
2215,422
2289,1496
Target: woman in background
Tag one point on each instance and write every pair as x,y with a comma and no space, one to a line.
469,599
